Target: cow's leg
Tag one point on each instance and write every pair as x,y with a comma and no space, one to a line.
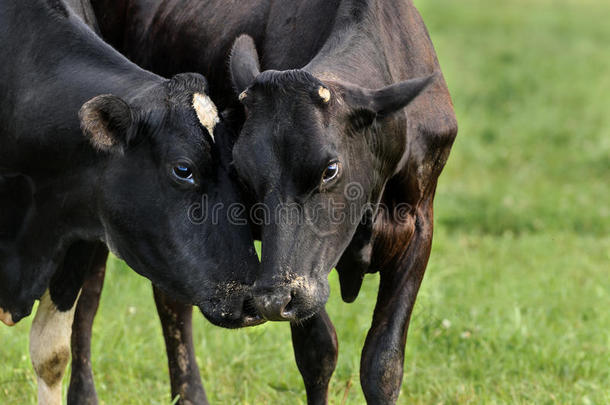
176,322
315,350
50,348
82,387
381,366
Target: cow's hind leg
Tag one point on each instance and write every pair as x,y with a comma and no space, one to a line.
381,367
176,322
50,348
82,386
315,350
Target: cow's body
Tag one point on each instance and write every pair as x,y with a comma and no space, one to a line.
49,73
369,44
78,177
40,134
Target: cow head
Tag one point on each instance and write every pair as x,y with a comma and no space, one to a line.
157,191
316,154
165,197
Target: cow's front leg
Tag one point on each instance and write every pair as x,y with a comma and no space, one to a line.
50,348
381,366
315,350
176,322
82,386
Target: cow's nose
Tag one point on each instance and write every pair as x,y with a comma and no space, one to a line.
275,306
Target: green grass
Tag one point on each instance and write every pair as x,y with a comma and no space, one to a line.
515,305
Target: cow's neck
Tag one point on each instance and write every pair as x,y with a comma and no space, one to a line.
375,43
352,52
72,65
70,200
64,210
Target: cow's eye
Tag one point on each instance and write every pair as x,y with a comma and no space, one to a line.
184,173
331,172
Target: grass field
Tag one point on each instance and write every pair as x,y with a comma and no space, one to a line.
515,305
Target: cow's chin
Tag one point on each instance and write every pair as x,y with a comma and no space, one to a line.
229,321
303,315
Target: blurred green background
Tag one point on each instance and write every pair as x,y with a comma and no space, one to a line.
515,305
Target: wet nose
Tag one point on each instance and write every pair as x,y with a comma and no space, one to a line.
275,306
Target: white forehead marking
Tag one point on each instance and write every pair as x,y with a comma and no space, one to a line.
324,94
206,112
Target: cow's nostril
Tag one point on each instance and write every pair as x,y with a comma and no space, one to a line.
250,315
275,307
288,311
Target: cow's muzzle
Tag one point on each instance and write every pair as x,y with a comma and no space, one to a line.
291,302
238,314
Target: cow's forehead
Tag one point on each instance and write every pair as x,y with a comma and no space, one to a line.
293,126
285,146
174,132
286,80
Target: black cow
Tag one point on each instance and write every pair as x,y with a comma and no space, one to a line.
334,134
96,152
327,127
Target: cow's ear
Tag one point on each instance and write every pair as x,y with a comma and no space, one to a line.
244,64
106,120
367,105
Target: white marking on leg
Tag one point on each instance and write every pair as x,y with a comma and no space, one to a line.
50,348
